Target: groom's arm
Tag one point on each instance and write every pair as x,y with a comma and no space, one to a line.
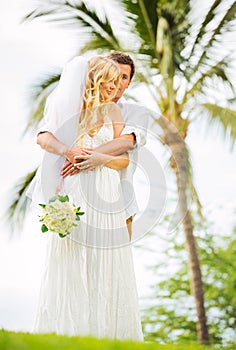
47,141
118,146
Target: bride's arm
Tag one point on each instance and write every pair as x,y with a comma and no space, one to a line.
120,161
115,115
117,162
93,159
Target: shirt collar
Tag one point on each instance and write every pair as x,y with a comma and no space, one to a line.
121,102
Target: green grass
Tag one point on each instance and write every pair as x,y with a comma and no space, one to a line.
27,341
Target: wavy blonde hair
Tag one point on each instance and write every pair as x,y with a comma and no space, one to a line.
100,70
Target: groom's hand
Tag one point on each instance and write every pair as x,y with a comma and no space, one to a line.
71,154
68,169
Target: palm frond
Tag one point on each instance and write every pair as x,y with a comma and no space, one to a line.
143,16
97,43
229,16
17,209
202,29
82,17
223,116
217,70
39,92
145,78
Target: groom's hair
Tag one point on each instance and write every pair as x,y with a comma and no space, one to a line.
122,58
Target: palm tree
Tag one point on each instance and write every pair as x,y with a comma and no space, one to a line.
178,44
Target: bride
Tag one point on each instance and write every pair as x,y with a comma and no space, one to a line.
88,286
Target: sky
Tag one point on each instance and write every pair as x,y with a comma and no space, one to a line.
26,51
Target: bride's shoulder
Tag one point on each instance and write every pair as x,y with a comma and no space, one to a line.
113,111
112,106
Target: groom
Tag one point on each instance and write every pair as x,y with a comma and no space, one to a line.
133,136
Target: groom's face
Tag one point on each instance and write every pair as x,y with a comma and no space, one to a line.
125,81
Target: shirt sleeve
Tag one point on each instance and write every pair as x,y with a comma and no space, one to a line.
136,122
140,134
139,120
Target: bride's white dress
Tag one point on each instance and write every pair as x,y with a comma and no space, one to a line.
89,285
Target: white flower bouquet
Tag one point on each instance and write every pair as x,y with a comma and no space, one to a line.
60,215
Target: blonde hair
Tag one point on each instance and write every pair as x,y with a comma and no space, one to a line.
101,70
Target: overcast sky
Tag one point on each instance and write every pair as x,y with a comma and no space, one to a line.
26,51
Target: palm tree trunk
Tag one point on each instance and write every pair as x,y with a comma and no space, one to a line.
179,163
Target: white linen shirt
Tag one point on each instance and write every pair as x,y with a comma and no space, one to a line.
136,118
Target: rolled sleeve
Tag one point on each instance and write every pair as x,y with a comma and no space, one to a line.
140,135
44,128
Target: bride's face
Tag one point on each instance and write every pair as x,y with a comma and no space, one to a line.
108,90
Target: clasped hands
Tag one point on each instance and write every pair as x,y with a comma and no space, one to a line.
81,159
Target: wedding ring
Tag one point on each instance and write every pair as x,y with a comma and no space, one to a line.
73,168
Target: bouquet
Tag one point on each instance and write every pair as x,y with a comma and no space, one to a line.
60,215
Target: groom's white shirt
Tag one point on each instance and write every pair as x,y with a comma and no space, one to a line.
136,122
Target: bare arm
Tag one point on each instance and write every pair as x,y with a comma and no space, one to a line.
94,159
118,162
50,143
117,146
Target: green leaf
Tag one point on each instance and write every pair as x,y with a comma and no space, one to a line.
78,214
62,235
228,18
39,91
42,205
142,15
17,208
203,28
223,116
80,15
63,198
44,228
53,199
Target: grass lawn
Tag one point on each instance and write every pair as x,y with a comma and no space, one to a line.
27,341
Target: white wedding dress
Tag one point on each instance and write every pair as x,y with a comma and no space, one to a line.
89,285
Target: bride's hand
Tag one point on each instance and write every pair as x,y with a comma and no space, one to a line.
90,161
69,168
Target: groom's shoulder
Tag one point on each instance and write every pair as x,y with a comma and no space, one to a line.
132,109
